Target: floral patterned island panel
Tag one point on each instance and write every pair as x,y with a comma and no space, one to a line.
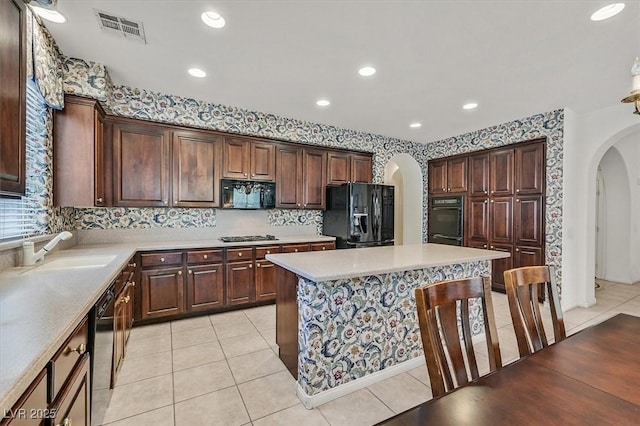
349,328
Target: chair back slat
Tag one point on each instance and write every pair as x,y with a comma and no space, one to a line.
443,313
523,285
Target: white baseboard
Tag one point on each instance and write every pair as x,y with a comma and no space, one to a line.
311,401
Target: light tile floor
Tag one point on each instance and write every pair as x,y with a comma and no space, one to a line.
223,369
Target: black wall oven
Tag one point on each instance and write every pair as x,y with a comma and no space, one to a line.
446,220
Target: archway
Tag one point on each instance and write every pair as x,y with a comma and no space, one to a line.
404,172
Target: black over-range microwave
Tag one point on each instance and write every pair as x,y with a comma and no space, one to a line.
250,195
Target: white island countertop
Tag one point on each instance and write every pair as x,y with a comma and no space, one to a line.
349,263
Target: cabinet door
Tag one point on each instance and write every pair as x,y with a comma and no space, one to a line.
73,407
13,92
205,287
457,175
128,311
162,292
196,169
314,164
361,168
338,168
265,280
530,169
479,175
438,177
235,158
529,221
501,220
33,400
527,256
478,218
240,284
263,161
499,266
78,163
119,327
289,165
501,172
141,165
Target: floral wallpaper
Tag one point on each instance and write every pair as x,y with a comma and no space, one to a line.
353,327
44,62
140,218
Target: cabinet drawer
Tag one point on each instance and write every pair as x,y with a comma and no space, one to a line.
295,248
66,358
261,252
239,254
204,256
159,259
323,246
31,408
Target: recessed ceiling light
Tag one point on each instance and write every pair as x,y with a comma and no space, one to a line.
213,19
49,15
415,125
367,71
607,12
197,72
323,102
470,105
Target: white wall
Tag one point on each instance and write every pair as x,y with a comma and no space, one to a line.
412,190
587,137
617,241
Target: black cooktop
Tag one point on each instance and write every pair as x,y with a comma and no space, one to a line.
246,238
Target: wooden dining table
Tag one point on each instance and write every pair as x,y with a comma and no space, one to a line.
590,378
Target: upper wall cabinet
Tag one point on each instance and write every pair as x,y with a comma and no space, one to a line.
13,66
196,169
501,175
530,169
448,176
140,164
479,175
78,164
250,159
344,167
301,177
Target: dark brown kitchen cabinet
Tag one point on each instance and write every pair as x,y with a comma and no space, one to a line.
500,265
510,217
245,158
73,407
301,177
13,95
479,175
265,274
477,223
78,154
162,292
33,400
240,285
501,172
314,178
196,169
323,246
345,167
501,220
528,217
205,286
530,169
141,164
448,176
296,248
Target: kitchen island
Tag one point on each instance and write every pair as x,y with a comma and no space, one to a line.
346,319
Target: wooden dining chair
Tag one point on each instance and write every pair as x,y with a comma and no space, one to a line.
523,287
438,314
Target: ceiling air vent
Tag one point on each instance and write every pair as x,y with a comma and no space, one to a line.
128,28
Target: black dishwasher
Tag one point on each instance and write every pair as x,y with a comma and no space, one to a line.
101,347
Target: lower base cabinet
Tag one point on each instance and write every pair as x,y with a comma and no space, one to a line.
240,283
162,292
31,408
205,287
265,280
73,406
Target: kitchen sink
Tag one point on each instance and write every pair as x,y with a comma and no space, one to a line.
77,262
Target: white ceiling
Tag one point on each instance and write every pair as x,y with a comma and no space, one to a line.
515,58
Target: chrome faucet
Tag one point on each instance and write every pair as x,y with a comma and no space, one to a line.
29,258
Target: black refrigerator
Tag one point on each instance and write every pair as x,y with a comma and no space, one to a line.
359,215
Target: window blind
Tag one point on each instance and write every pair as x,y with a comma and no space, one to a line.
18,215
